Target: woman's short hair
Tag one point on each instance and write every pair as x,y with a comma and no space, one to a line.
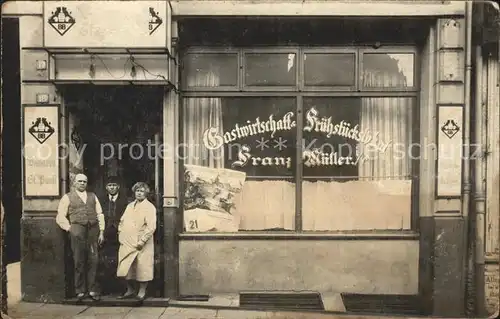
140,185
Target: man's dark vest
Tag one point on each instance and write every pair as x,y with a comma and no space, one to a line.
80,212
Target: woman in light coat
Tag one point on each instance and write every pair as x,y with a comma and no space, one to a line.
135,234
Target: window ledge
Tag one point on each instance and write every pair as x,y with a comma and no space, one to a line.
274,235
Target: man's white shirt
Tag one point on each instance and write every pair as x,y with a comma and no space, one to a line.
62,211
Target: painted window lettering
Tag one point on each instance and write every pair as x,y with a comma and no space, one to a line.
245,157
317,158
312,156
213,140
343,129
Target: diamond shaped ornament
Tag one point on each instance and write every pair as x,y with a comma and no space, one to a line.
154,20
41,130
450,128
61,20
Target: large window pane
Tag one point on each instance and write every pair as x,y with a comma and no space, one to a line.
261,136
327,122
273,69
239,159
327,69
388,70
211,69
363,176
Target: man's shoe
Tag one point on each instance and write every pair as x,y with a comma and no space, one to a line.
80,296
95,296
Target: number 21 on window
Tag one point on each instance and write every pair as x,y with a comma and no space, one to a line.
193,224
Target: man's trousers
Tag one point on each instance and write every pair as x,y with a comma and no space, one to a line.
108,256
84,244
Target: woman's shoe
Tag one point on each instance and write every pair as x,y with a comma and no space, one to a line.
127,296
141,298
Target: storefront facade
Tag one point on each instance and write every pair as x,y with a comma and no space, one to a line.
308,146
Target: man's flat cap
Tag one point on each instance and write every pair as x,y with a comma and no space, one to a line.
113,179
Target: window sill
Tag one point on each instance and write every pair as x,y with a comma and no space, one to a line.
290,235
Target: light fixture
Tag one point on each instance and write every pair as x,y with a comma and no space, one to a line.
92,67
41,65
42,98
133,72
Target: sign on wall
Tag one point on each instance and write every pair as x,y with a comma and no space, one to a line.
449,167
41,151
492,288
119,24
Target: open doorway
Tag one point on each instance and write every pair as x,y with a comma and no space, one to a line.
116,131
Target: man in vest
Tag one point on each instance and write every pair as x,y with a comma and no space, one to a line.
80,214
113,204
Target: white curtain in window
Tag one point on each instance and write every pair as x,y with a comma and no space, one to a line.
381,198
201,114
391,119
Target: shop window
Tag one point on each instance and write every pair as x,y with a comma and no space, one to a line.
356,169
211,70
388,70
270,69
329,69
254,136
357,154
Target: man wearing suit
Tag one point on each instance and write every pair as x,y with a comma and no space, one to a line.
80,214
113,204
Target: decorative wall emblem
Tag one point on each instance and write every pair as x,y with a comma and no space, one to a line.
155,21
41,129
61,20
450,128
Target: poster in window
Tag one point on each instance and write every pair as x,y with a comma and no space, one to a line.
209,198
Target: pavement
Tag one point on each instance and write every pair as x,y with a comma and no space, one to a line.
39,311
17,309
42,311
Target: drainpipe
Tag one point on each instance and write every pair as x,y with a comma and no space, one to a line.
479,185
466,184
63,120
3,268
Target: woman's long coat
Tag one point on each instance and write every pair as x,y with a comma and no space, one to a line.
137,224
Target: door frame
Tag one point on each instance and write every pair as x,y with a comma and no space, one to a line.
157,287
